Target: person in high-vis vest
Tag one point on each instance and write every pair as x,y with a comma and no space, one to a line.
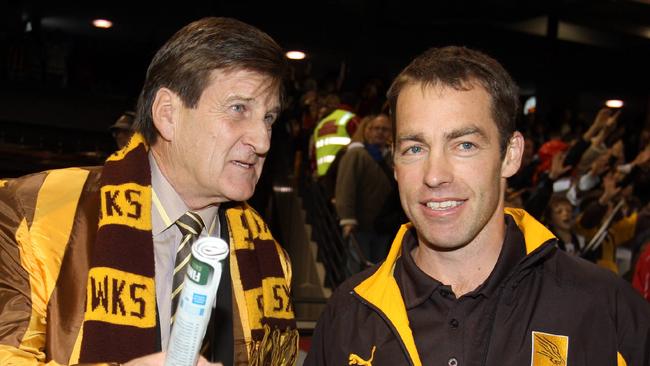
331,134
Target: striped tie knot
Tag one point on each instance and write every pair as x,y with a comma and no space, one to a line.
190,225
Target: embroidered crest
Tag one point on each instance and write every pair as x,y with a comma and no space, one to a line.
549,349
356,360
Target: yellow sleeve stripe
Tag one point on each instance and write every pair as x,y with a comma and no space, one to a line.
17,357
53,218
620,361
33,341
43,244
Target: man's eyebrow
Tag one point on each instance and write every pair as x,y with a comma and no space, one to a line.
275,109
417,137
239,97
464,131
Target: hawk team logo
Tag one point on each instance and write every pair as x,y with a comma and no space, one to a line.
356,360
549,349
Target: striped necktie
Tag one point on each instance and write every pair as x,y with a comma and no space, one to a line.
190,225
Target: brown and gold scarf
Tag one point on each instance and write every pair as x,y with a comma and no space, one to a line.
120,320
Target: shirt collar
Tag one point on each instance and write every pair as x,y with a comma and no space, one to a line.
172,204
513,251
416,286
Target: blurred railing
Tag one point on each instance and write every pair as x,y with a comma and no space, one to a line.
341,257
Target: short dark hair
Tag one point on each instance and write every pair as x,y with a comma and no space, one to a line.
457,68
185,62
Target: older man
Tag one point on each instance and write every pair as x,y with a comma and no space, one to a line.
92,256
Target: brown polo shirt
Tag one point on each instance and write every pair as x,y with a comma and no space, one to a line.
448,330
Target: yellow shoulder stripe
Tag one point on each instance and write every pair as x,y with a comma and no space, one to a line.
382,291
535,234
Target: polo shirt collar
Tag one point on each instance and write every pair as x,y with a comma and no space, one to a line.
416,286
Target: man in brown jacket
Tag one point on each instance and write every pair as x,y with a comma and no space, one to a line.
90,256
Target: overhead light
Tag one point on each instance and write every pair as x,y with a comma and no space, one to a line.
530,106
614,103
282,189
102,23
295,55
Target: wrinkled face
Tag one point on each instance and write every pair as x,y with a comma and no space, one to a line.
561,214
448,165
219,147
379,131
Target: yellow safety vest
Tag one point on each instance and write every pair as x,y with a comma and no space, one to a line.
330,135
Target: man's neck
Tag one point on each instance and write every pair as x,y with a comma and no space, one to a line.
168,206
175,176
465,268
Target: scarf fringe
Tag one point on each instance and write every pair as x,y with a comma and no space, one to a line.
276,348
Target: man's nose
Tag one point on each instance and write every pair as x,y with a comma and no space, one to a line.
259,137
438,170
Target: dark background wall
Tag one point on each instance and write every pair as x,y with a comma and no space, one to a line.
63,82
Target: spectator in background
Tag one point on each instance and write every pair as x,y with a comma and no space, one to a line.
122,129
559,219
334,130
363,184
328,182
546,153
613,215
371,100
641,279
593,142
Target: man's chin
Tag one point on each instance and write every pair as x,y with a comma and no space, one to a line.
240,195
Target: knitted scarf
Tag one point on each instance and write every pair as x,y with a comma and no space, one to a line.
120,321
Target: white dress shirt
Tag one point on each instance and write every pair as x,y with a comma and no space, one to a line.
167,206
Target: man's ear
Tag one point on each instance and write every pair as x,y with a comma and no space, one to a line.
512,158
165,112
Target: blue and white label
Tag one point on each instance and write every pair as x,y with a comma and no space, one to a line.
199,299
